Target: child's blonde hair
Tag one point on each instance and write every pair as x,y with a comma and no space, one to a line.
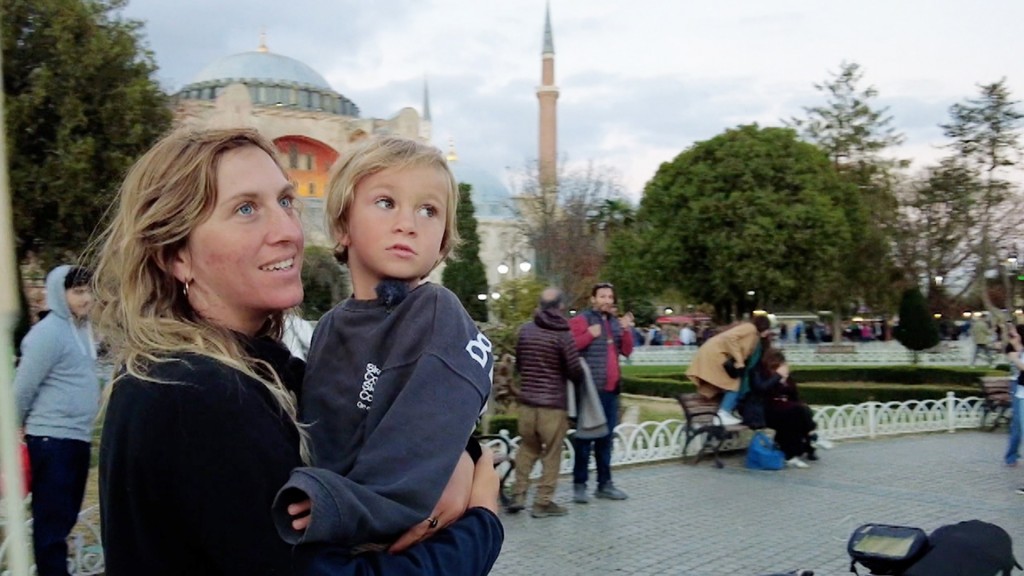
371,156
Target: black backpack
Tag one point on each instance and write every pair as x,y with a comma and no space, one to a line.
971,548
886,550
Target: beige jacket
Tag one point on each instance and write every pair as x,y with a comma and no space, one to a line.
706,370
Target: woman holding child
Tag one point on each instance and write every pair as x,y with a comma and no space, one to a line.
195,273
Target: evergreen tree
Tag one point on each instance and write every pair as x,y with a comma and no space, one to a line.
986,144
855,133
464,274
917,329
324,282
81,106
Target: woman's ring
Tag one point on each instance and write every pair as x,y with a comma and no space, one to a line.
432,522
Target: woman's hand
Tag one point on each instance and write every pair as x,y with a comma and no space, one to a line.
783,370
486,484
452,505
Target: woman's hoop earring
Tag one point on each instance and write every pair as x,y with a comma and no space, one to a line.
184,290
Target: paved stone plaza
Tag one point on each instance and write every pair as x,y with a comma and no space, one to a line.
701,521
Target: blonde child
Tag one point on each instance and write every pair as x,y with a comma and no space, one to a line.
398,373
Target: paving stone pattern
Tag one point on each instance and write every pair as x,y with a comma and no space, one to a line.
701,521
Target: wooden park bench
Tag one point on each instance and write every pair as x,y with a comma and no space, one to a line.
996,401
702,421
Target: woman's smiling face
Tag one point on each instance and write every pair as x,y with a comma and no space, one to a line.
243,262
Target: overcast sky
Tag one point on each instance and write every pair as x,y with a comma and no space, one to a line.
640,80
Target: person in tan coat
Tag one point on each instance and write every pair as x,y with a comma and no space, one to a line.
742,344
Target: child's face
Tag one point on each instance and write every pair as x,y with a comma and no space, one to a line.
395,227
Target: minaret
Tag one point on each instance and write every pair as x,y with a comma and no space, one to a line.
426,124
547,94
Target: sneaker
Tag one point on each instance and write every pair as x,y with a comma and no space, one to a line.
549,509
727,419
610,492
1020,491
824,444
579,494
812,456
517,504
796,462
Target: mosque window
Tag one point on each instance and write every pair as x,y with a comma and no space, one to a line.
304,99
207,93
254,94
316,101
293,156
312,188
262,97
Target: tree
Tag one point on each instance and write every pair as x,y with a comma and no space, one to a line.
323,280
81,107
752,209
985,134
917,329
464,274
934,237
569,227
855,133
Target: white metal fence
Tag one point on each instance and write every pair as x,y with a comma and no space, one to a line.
656,441
947,353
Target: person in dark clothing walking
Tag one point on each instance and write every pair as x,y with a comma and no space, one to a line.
601,338
546,358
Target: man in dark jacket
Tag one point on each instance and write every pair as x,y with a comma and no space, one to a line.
546,358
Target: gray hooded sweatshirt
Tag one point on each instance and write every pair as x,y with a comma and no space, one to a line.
56,386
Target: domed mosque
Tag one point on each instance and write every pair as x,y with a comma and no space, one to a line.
311,123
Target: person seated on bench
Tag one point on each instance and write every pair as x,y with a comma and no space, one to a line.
774,402
741,346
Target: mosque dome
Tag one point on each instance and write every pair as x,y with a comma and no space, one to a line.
272,80
262,66
491,199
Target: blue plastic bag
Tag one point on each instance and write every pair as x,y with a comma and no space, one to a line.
763,455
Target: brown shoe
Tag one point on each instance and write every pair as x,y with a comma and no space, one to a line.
549,509
518,503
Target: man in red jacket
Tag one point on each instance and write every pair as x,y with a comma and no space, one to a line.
546,358
601,338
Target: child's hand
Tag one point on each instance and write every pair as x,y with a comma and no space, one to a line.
452,505
595,330
301,513
783,371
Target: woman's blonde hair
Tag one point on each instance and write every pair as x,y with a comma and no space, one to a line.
371,156
142,311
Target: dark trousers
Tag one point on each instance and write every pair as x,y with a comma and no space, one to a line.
60,468
602,446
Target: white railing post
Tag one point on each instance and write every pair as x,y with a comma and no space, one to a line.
951,411
872,423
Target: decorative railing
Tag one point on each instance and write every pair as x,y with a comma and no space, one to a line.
655,441
652,442
85,553
948,353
